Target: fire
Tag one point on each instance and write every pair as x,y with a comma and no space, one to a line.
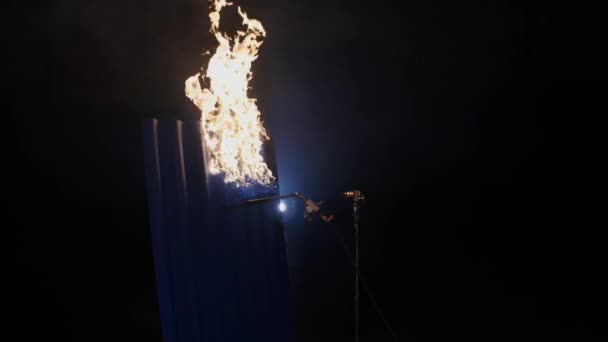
231,125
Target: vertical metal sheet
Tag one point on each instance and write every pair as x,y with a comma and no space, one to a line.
221,273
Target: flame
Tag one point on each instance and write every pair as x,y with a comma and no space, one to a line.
231,125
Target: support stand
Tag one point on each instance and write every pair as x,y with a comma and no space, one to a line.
356,223
356,197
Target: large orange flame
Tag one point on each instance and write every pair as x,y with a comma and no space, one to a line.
232,129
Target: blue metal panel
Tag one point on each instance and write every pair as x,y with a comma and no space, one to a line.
157,227
221,272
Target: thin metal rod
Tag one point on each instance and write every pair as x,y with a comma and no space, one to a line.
273,198
356,225
356,279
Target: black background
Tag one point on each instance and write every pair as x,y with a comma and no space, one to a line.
472,127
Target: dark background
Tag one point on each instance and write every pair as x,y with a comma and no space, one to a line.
471,126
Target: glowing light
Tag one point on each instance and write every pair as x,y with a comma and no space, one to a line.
231,126
282,207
